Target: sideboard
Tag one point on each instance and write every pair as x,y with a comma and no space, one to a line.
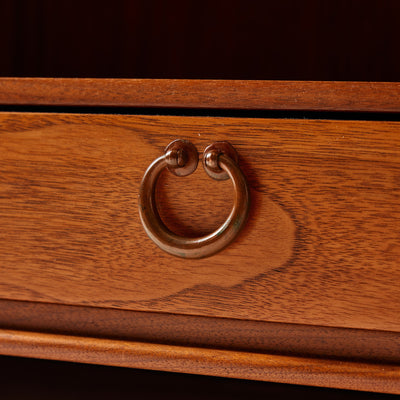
308,293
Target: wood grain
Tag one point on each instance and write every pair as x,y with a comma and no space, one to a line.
212,94
207,332
384,378
321,246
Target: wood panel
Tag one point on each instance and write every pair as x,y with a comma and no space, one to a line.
321,246
194,331
383,378
213,94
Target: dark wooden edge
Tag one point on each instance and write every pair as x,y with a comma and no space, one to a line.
214,362
204,94
202,332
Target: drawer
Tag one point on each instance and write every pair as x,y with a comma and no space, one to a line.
321,246
307,293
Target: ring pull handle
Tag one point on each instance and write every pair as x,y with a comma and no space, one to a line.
181,158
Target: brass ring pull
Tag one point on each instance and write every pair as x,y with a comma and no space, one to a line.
181,158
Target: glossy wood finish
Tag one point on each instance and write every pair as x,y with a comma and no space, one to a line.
212,94
320,248
189,330
383,378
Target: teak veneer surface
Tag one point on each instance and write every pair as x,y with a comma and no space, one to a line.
186,93
321,246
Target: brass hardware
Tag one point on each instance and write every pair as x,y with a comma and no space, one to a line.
181,158
211,159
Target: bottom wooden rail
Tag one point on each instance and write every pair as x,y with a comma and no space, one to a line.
383,378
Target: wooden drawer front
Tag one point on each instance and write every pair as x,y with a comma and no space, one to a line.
321,247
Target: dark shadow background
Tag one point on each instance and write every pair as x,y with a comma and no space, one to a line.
248,39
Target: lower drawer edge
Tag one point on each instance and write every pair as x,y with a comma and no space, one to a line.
224,363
